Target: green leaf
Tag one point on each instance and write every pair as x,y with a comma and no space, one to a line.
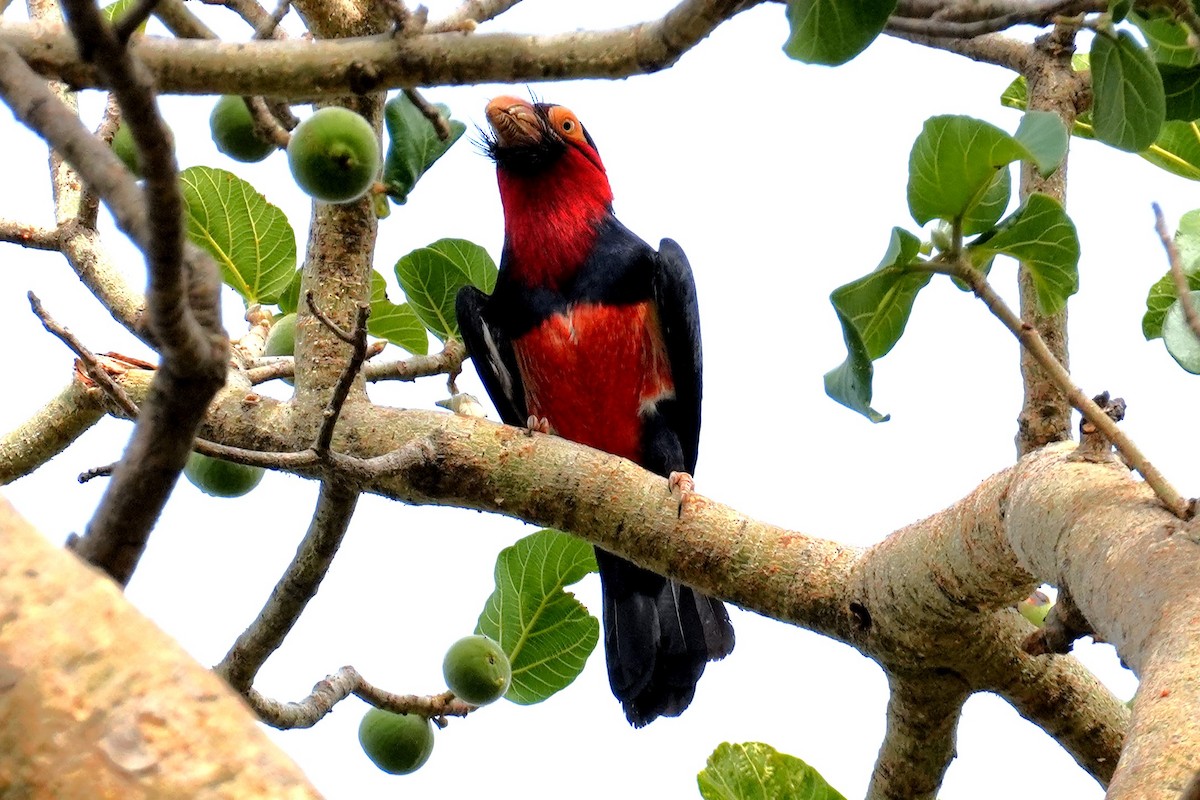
1162,294
1129,106
1166,38
1045,137
1160,299
1182,342
984,215
114,11
1187,241
1176,150
250,239
953,164
1119,9
472,260
546,633
413,145
878,305
1182,88
834,31
756,771
431,277
1042,237
397,324
873,312
289,298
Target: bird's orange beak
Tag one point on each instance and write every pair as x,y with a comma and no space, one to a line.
514,121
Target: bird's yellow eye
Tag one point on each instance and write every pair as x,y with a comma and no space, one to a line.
566,123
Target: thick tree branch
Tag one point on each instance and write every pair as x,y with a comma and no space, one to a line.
922,723
375,63
76,721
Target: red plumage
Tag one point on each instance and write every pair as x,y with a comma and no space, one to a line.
592,373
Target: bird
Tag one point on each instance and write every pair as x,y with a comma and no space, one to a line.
593,335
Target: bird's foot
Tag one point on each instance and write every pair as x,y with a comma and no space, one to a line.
537,424
680,485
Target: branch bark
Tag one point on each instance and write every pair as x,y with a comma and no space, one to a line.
933,596
77,722
374,63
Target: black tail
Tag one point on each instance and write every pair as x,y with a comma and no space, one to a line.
658,635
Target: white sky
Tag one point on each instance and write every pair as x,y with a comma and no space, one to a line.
781,181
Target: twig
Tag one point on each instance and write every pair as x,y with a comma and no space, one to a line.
91,364
180,21
27,235
96,472
254,15
267,125
470,14
298,585
431,112
1029,338
357,338
337,687
266,30
447,362
1177,274
89,198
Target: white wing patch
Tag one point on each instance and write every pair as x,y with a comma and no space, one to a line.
497,363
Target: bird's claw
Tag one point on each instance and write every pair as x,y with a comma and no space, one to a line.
537,424
680,485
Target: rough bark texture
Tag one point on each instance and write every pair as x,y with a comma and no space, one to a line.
96,702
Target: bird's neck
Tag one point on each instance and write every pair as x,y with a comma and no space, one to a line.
551,220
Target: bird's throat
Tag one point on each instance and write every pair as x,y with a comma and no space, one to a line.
551,221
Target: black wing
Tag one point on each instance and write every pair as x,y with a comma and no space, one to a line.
674,293
493,355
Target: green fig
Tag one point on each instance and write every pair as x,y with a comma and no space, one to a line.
477,670
334,155
221,478
397,743
281,341
232,128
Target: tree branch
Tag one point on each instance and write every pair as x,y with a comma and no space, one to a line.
342,684
1055,372
375,63
922,723
49,431
299,584
183,300
153,714
957,572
